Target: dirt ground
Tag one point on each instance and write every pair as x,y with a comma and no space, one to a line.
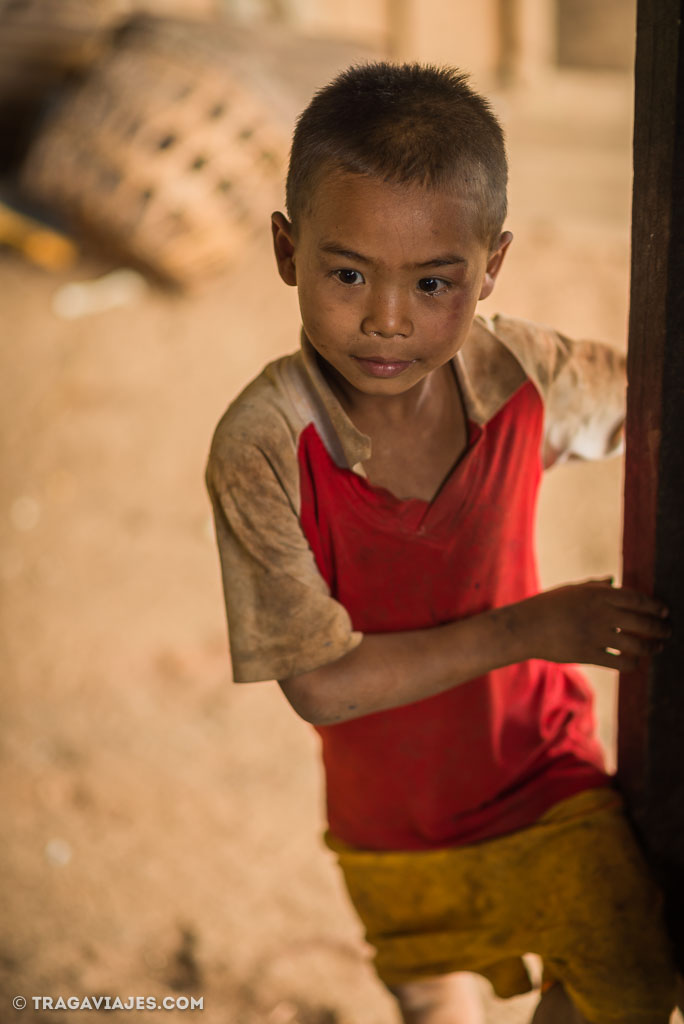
163,827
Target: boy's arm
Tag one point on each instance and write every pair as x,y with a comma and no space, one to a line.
576,623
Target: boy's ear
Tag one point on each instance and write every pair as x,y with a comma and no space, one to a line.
283,247
496,258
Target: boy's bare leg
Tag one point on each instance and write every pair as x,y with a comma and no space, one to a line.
450,999
555,1008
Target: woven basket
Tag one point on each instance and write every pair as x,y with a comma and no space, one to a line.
167,152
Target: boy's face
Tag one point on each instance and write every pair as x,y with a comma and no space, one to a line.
388,277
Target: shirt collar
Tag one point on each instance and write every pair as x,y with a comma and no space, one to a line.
355,445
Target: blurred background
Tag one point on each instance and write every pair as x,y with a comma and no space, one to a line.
163,827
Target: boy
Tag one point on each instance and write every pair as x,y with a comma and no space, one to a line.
374,499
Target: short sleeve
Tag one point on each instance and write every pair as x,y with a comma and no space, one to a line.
583,387
281,618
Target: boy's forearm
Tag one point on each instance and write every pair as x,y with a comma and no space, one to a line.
592,623
388,670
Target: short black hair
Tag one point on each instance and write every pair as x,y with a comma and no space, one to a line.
406,124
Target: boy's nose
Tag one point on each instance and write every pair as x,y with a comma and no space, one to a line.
387,317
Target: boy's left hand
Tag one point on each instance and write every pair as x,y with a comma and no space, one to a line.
596,623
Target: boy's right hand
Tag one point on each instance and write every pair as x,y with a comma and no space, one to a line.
596,623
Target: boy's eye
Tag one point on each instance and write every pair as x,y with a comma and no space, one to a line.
432,285
348,276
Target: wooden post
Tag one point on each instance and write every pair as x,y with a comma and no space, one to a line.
651,702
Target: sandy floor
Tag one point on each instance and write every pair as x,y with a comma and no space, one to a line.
164,826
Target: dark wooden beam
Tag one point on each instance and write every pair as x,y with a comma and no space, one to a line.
651,701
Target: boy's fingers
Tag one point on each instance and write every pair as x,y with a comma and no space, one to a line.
625,597
624,650
643,625
636,646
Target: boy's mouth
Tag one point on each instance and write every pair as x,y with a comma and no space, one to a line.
377,366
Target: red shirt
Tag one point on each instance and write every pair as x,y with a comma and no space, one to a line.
488,756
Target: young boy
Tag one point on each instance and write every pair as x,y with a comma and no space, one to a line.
374,498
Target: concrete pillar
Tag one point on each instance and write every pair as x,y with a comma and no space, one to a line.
460,33
536,39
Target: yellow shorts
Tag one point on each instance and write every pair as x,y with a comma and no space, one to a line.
572,888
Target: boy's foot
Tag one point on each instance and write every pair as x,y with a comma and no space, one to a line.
450,999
